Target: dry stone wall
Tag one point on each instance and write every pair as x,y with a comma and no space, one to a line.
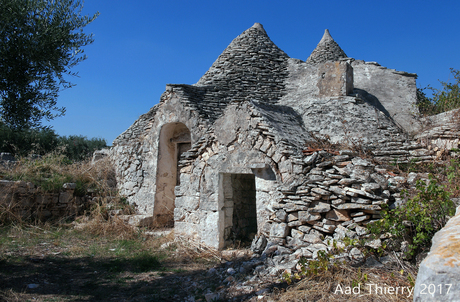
327,50
389,91
441,132
337,197
309,196
374,113
25,201
136,151
253,112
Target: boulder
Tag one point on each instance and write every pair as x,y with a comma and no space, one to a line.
438,278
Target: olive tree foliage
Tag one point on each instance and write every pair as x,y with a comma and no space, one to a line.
40,41
442,100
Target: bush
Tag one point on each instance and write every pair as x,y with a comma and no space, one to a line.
446,99
27,141
77,147
42,141
417,220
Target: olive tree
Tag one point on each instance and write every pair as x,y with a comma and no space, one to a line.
40,42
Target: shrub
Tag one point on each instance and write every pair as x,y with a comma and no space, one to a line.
77,147
419,218
42,141
27,141
444,99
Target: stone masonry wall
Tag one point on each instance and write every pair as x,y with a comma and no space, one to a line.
441,132
253,112
135,151
337,197
314,195
24,200
245,143
390,91
375,112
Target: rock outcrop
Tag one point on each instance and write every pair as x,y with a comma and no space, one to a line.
438,277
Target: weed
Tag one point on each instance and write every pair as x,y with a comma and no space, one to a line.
417,220
145,261
350,242
361,279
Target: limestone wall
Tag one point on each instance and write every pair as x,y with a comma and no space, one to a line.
136,151
297,197
441,131
380,108
25,201
438,278
392,92
299,201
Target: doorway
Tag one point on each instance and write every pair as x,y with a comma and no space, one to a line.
240,211
174,140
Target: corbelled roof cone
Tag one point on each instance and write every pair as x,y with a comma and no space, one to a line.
251,67
326,50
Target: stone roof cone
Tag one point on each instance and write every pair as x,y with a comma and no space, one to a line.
251,67
326,50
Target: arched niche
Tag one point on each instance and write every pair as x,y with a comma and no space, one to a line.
174,140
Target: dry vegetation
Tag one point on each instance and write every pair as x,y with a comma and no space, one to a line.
347,283
99,257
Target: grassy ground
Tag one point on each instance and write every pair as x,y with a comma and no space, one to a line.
96,258
75,264
99,261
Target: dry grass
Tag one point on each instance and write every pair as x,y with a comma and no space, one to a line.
98,260
338,283
102,226
51,171
113,227
95,183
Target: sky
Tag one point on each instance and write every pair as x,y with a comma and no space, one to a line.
142,45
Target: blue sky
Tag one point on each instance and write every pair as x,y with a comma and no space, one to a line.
142,45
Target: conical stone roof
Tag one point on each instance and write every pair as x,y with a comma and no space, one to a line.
326,50
251,67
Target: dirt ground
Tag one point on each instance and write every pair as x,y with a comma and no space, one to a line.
88,269
65,264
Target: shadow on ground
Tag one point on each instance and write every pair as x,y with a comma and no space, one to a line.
60,278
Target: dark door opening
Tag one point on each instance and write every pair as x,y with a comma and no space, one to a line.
240,209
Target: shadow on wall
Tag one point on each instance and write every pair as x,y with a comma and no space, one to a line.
273,113
371,100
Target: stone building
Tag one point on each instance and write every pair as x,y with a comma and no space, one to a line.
226,159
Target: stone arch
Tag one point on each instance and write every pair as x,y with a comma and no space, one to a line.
174,140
